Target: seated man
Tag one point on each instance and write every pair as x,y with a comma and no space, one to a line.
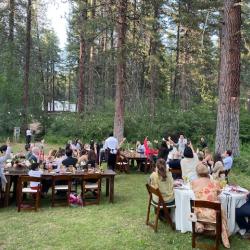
69,161
228,160
28,151
34,156
242,213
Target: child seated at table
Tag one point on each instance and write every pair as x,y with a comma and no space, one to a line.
35,172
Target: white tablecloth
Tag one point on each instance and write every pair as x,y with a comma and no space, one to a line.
229,202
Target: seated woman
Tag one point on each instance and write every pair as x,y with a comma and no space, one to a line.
51,155
217,174
163,180
189,163
91,158
83,157
208,158
205,189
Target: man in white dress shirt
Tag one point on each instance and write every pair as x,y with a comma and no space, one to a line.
111,146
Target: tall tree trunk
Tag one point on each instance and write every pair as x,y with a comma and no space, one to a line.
134,21
81,76
83,18
40,60
27,61
227,130
11,20
121,69
47,87
177,64
112,64
53,86
184,74
91,63
69,89
154,70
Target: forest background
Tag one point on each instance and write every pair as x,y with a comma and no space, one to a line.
162,59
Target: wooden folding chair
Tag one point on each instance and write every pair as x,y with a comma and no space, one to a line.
148,166
60,183
158,206
23,188
122,163
91,184
214,233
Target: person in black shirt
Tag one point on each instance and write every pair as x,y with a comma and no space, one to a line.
242,213
175,164
69,161
164,151
203,143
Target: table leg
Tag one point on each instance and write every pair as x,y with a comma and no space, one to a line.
7,192
132,163
107,186
111,194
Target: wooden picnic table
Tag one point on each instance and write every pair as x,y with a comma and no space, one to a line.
108,174
133,155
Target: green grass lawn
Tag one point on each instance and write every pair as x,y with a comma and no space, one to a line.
108,226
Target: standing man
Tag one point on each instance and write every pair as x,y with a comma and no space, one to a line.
28,135
111,146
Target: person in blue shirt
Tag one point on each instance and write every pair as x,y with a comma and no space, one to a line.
228,160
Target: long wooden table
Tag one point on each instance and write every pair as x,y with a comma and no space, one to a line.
108,174
132,156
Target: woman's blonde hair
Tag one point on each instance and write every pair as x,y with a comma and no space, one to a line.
202,170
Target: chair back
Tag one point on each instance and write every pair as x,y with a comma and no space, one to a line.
63,179
59,177
21,187
155,191
218,223
175,171
27,179
121,164
92,176
160,205
87,185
